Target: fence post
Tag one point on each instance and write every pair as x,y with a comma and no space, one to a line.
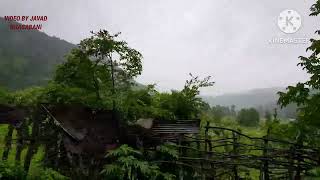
265,155
210,149
235,154
180,154
22,134
32,149
299,158
8,142
206,139
291,161
198,141
19,145
198,145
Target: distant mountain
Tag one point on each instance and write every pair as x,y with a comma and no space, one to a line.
261,99
28,57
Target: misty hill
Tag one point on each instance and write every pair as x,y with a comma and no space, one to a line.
261,99
252,98
28,57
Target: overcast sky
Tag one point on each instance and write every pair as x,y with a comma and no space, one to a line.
227,39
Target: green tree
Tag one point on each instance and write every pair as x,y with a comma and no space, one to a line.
135,104
107,51
218,112
101,64
184,104
248,117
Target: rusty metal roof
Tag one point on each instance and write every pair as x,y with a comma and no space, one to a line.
178,127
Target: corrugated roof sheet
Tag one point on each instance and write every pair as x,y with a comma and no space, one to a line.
179,127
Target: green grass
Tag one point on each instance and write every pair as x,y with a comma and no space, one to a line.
3,133
35,166
36,163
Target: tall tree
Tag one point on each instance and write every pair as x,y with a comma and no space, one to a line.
101,64
106,50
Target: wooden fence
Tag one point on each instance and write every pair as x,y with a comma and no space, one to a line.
223,153
209,152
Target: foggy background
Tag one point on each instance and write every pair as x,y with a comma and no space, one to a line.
227,39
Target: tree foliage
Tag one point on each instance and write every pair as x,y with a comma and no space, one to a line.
130,164
103,45
184,104
149,103
101,65
248,117
106,51
218,112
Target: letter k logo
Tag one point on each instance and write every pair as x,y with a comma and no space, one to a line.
289,21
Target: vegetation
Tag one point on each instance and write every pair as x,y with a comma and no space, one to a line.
130,164
248,117
8,171
100,72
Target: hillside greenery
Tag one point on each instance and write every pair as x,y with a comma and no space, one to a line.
28,58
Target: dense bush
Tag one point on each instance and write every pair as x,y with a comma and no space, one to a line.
130,164
9,171
248,117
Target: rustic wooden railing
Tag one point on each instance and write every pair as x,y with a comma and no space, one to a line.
212,153
223,153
